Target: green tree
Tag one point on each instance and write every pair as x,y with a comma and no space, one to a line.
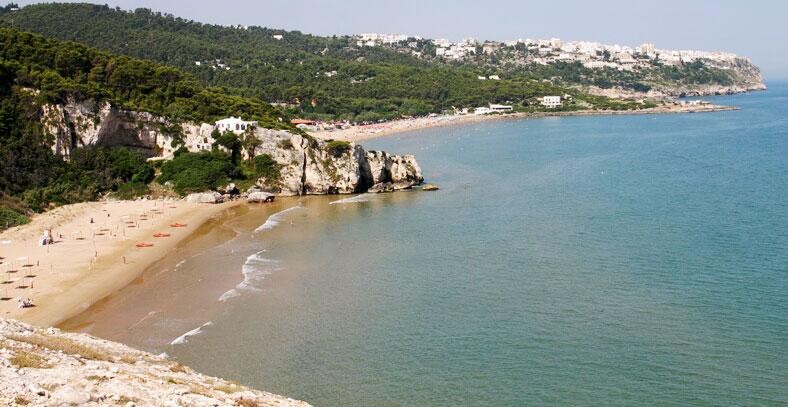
232,143
196,172
250,143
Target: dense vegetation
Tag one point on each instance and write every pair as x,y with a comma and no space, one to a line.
320,77
266,168
194,172
63,70
35,70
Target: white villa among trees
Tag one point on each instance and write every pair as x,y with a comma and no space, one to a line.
234,124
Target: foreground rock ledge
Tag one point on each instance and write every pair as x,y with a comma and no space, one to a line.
53,368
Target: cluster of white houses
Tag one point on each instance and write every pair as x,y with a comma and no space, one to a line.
545,51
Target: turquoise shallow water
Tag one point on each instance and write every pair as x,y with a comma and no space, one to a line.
574,261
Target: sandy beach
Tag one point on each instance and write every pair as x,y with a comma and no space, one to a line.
366,132
94,253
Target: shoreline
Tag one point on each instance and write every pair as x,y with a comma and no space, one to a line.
164,307
89,261
372,131
85,265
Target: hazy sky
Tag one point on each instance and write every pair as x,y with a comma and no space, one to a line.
755,28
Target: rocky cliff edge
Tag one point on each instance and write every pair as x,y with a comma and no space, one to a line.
47,367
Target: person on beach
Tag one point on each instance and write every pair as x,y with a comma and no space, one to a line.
46,238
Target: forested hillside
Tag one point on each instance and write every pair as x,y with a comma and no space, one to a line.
35,71
318,76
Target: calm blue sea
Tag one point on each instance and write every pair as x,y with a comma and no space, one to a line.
629,260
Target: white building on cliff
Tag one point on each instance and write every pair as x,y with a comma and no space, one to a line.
235,125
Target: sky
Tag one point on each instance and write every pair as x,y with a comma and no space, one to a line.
756,28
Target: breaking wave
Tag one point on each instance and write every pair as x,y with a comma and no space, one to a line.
185,337
255,268
275,219
354,199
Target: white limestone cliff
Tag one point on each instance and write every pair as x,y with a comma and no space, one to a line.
307,166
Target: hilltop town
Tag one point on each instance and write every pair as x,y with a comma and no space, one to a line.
590,54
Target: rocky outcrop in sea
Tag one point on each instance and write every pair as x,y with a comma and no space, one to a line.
315,167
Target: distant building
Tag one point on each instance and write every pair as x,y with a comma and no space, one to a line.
551,102
495,77
278,37
235,125
693,102
648,49
482,78
501,108
442,42
491,47
493,109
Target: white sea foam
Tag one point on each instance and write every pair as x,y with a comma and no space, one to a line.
185,337
145,318
180,263
354,199
274,219
254,270
229,294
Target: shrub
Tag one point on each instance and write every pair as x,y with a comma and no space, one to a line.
131,190
266,167
337,148
195,172
285,144
65,345
10,218
232,143
23,358
128,165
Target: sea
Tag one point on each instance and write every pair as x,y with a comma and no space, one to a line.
606,260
